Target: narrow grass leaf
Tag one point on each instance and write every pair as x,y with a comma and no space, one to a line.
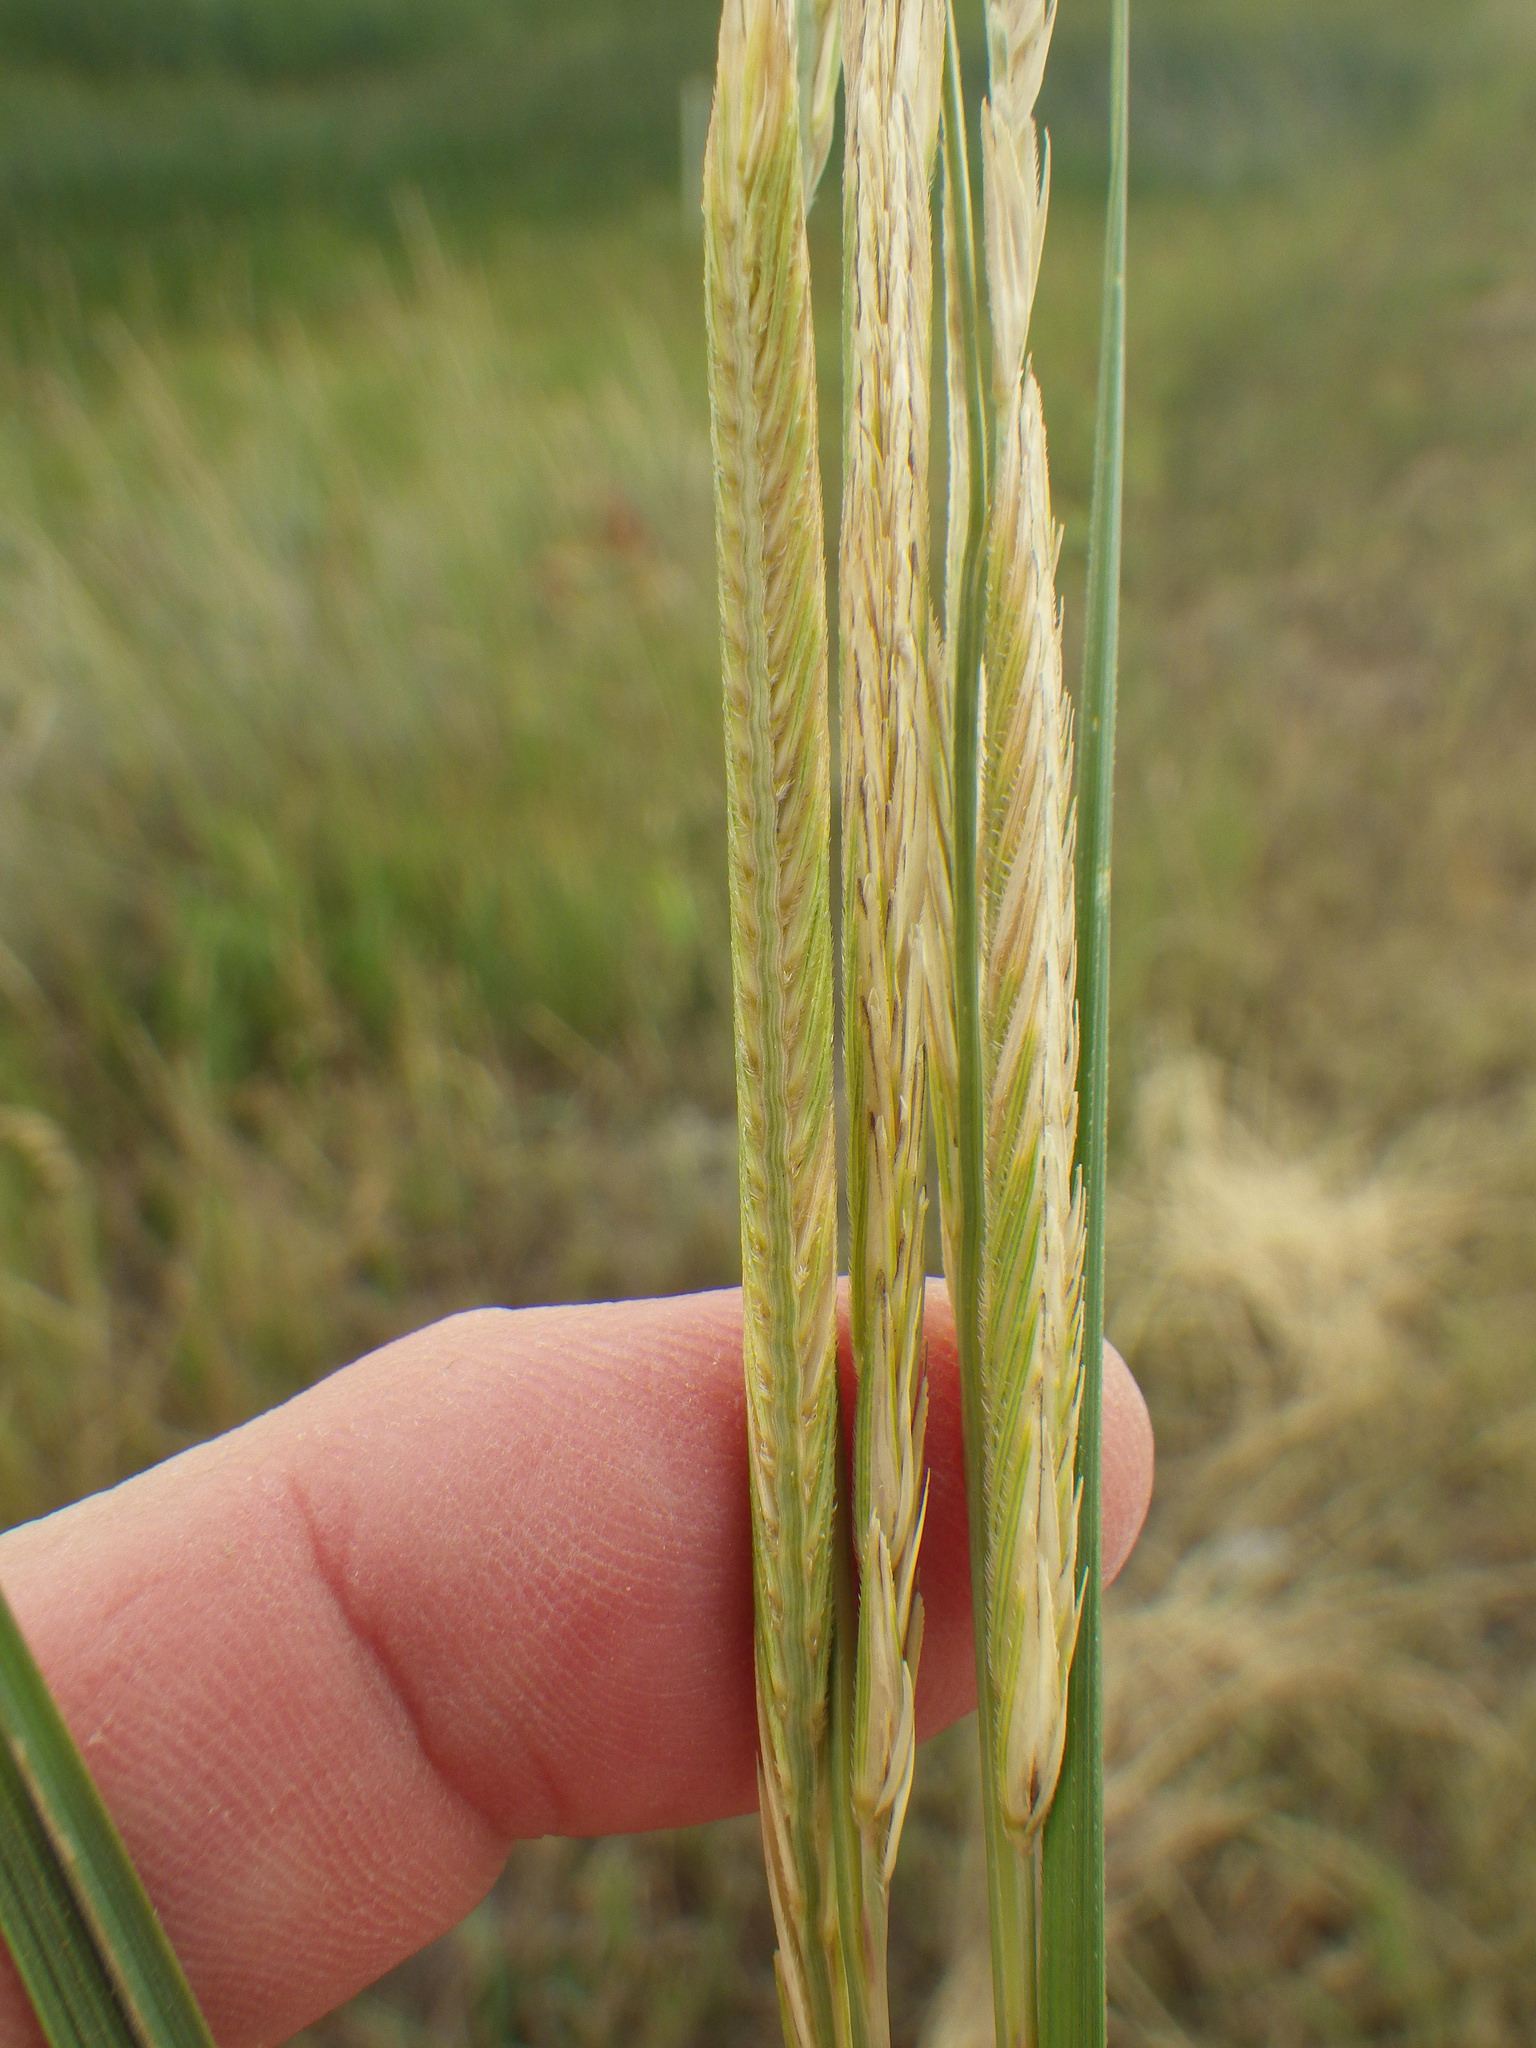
1072,1987
87,1944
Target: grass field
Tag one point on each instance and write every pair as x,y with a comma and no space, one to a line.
362,923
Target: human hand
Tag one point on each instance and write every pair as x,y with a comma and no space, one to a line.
490,1582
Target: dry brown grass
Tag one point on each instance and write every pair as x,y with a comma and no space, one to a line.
1320,1799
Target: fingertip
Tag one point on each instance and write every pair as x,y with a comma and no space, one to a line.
1129,1459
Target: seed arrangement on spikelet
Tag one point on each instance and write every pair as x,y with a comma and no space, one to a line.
1034,1218
890,63
959,958
774,658
1001,1005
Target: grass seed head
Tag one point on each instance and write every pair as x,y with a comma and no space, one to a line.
892,68
774,661
1034,1260
1034,1215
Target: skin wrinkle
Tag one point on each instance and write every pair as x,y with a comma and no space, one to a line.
298,1833
334,1583
369,1616
583,1667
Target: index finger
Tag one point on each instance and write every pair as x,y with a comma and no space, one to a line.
492,1581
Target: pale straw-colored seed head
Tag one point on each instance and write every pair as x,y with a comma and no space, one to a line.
1034,1217
892,69
774,663
937,742
1034,1211
1016,184
885,1728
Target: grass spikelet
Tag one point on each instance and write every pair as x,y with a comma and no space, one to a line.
891,67
1034,1255
1001,998
820,66
956,884
1015,182
774,658
1034,1259
938,759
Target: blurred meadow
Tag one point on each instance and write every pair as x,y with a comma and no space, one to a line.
363,947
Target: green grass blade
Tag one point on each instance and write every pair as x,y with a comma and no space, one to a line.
48,1938
93,1957
1072,1985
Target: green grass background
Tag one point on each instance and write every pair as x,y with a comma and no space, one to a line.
363,945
